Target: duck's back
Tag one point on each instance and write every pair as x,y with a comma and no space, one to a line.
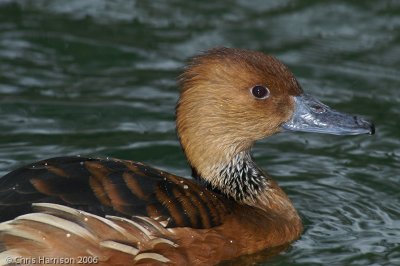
111,187
79,206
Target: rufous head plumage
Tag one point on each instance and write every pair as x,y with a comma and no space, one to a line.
217,114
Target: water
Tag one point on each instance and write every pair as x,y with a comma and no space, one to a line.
99,78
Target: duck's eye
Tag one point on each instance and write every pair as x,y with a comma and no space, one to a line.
260,92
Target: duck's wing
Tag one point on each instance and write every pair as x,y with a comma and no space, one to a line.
101,211
111,187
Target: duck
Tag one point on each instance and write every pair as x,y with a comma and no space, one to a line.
107,211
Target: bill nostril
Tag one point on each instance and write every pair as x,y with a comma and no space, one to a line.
317,108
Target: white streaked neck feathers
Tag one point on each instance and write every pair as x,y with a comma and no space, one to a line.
240,178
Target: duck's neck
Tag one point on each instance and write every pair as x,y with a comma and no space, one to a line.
240,178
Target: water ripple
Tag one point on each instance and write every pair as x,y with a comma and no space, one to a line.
98,78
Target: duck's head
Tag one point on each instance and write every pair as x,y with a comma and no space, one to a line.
232,97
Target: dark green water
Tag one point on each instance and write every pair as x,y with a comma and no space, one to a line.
99,78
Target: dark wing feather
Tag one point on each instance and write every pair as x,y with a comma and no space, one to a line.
111,187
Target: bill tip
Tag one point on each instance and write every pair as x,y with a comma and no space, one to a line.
372,129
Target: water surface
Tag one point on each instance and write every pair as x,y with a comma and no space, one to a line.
98,78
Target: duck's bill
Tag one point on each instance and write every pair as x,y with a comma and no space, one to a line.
310,115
